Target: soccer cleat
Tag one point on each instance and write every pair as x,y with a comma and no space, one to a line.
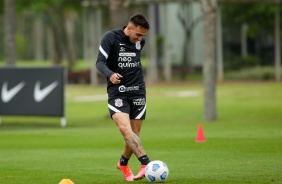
141,173
127,174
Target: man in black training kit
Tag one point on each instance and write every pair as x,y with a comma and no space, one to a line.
119,59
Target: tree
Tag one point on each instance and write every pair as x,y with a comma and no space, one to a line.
92,32
209,8
277,32
248,22
38,31
10,32
167,70
152,69
219,49
253,12
118,15
59,16
69,17
188,30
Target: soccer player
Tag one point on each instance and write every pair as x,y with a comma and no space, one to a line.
119,59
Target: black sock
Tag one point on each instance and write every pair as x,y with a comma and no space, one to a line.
144,159
123,161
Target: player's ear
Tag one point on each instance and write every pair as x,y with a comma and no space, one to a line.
130,26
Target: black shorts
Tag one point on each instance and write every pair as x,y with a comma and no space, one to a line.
132,104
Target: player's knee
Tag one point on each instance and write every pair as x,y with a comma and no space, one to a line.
125,130
137,131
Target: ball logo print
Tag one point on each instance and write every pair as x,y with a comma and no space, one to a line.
155,167
163,176
151,178
156,171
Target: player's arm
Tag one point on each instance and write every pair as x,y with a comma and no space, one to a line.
101,63
103,54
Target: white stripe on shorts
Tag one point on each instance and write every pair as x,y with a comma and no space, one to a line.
113,108
141,113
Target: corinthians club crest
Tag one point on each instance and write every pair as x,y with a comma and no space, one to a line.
138,45
118,102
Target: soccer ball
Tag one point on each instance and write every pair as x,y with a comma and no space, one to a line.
156,171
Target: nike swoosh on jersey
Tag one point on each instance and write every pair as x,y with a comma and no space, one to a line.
7,95
122,44
40,94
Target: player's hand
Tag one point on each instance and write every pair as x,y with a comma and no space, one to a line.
115,78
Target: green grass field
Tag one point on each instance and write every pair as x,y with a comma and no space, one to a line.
243,146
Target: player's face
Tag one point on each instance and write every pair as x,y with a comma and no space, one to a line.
136,33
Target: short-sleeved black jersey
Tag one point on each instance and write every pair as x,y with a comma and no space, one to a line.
118,55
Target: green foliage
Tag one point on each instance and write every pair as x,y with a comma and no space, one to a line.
2,7
255,73
45,5
234,15
21,44
160,41
244,146
236,62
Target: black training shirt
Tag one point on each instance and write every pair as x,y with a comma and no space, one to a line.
118,55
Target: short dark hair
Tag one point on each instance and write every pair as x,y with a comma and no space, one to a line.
140,20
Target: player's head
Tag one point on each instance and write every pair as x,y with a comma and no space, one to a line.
139,20
137,27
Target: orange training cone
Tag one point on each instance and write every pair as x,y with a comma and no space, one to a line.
200,135
66,181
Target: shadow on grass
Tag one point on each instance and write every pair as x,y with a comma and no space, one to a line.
35,122
27,123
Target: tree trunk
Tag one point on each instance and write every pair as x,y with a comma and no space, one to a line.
209,68
10,32
166,51
219,52
56,52
152,69
244,41
182,16
277,43
68,30
96,33
56,27
118,14
38,35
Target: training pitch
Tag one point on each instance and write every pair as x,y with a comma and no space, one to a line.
243,146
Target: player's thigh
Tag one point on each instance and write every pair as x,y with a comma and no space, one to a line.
123,122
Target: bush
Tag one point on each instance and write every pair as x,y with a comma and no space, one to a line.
236,62
255,73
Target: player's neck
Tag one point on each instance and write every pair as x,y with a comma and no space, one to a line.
125,30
